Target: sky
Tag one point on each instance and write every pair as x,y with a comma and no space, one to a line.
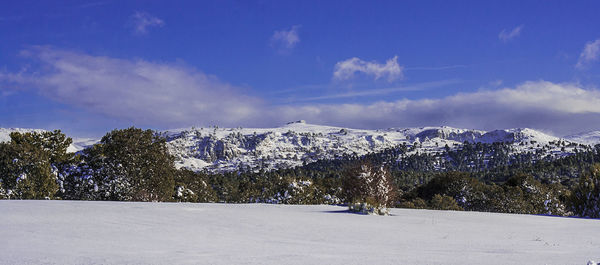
87,67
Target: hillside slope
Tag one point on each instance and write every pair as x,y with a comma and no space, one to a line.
591,138
229,149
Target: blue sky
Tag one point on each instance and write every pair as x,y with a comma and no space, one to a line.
87,67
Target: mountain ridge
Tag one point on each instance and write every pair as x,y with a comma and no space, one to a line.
296,143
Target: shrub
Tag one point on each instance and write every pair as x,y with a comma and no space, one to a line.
368,186
368,208
443,202
416,203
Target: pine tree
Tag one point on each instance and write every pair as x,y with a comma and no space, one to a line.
585,198
132,164
193,187
31,163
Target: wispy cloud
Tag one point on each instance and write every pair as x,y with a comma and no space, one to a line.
285,40
506,35
142,21
137,91
383,91
560,108
496,83
347,69
141,92
590,53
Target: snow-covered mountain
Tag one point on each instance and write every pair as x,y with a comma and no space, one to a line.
77,145
230,149
81,143
5,132
590,138
225,149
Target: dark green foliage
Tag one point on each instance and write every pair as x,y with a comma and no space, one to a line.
193,187
415,203
30,164
528,195
131,164
520,194
468,192
290,186
439,202
585,197
77,182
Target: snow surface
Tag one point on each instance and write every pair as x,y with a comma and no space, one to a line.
81,143
5,132
67,232
590,138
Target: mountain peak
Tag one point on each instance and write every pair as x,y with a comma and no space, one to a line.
295,122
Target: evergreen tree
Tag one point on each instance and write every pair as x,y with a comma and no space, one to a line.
132,164
193,187
30,164
585,198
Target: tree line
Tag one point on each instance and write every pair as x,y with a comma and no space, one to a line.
135,165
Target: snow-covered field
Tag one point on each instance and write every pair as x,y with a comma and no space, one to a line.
65,232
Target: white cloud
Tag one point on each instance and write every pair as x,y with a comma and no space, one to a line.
347,69
285,40
142,21
590,53
509,35
383,91
137,91
560,108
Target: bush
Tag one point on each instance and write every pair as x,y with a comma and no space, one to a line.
416,203
368,208
443,202
368,186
